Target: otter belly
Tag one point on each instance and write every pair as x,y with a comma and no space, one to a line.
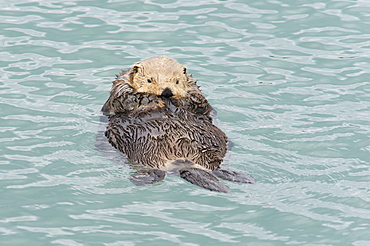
167,138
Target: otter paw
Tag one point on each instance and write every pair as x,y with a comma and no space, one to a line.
141,110
203,179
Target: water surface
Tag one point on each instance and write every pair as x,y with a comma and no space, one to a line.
290,82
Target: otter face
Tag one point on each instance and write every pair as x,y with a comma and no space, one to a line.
160,76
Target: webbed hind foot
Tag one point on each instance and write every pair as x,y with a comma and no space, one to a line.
203,179
234,176
145,177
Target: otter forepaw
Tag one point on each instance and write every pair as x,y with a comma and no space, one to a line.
147,109
141,110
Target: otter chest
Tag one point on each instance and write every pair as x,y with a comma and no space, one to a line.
164,135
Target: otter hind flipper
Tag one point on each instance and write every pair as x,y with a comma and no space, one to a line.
148,176
203,179
234,176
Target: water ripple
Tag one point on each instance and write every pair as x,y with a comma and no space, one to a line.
289,81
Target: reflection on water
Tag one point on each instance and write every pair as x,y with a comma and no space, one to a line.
290,82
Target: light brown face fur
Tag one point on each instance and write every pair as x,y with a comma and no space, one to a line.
156,74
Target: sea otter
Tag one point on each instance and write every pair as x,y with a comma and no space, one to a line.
158,117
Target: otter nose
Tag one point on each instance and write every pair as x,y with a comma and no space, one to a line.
167,93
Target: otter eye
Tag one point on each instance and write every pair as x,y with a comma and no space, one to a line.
149,81
184,70
177,82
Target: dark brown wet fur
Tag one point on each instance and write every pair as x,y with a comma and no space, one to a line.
159,118
168,134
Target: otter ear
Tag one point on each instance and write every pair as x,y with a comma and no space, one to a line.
184,70
134,70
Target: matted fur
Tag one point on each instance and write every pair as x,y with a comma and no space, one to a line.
155,131
159,118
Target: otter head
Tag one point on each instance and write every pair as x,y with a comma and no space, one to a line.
160,76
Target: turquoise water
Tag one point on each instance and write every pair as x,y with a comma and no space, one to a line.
290,81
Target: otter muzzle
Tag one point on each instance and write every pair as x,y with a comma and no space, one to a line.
167,93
